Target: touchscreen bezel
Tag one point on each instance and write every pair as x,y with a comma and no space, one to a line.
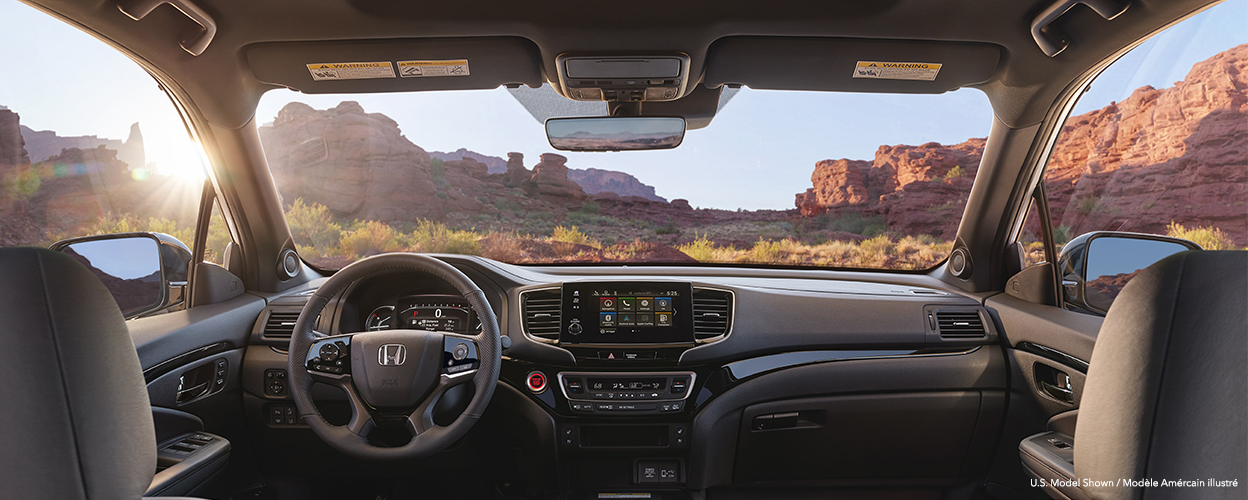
581,306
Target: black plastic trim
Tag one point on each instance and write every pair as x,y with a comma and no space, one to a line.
1054,355
191,356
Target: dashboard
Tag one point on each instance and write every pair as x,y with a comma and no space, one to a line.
636,369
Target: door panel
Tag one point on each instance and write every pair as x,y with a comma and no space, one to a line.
1047,350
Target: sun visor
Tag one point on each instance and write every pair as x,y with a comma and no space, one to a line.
849,65
397,65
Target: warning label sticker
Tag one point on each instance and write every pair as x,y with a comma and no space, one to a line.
896,70
421,69
351,70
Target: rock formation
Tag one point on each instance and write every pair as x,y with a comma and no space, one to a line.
911,187
550,178
596,180
495,164
44,144
1176,154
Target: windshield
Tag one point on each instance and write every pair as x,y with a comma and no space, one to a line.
818,179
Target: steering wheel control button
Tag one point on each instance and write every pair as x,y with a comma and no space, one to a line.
329,356
537,382
458,355
329,353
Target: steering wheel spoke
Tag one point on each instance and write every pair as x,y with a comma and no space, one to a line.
361,415
421,419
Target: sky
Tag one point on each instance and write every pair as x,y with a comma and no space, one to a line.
757,153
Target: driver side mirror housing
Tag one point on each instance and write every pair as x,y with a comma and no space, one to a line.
145,272
1095,266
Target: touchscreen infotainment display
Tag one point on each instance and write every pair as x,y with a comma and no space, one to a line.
627,313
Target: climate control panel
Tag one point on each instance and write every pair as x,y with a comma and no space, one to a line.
626,393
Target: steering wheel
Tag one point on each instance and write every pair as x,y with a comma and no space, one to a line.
394,373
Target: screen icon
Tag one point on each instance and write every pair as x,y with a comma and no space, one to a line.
663,304
606,319
607,303
645,319
645,303
662,319
627,319
627,304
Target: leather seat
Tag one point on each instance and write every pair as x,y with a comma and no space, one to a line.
1166,396
75,419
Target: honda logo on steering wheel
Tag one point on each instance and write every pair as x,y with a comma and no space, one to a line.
391,354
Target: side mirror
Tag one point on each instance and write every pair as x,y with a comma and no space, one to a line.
1095,266
145,272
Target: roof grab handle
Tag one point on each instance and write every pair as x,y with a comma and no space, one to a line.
1053,40
195,41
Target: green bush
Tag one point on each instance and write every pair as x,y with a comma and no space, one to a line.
313,228
435,237
1088,204
437,168
369,238
1209,238
955,172
573,235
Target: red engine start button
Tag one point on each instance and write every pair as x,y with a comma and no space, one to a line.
537,381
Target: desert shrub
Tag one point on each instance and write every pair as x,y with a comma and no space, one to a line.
669,228
313,228
955,172
877,247
573,235
1209,238
874,230
1088,204
369,238
851,222
590,207
703,249
437,168
1062,235
218,238
434,237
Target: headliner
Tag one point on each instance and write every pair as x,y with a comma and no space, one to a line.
1020,80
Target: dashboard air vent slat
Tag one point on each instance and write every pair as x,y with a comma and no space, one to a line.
712,311
280,325
960,325
542,318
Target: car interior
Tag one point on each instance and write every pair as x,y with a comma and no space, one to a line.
246,363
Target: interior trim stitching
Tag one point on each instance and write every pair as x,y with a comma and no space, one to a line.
60,368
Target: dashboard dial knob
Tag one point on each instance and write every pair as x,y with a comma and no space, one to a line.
575,328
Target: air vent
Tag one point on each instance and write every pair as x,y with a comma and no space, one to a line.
280,325
712,311
960,325
541,310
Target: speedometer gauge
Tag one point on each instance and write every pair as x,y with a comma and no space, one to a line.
430,313
382,318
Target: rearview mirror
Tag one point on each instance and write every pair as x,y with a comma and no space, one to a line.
1096,266
145,272
615,133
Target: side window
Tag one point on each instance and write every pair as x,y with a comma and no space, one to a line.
91,155
1157,145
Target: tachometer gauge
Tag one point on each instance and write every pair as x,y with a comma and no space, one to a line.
382,318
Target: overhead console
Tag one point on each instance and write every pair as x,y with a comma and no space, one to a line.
647,78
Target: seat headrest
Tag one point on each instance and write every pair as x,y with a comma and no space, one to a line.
75,422
1167,389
